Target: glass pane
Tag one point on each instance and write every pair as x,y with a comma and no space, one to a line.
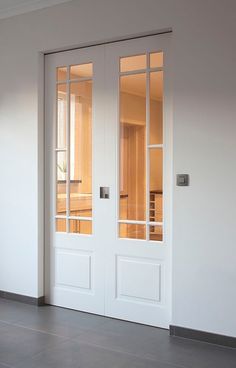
81,149
61,225
61,73
155,233
156,60
132,231
81,71
61,115
133,147
156,108
61,183
81,227
131,63
156,185
156,206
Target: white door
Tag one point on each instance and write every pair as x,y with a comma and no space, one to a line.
108,180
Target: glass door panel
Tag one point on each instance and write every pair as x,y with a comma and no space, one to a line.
81,149
132,231
61,183
74,149
132,63
61,115
132,147
141,147
156,108
156,59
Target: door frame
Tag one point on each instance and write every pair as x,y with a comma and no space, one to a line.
43,228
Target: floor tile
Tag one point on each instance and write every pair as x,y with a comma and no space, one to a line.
5,366
194,354
17,343
59,321
156,344
49,336
12,311
72,354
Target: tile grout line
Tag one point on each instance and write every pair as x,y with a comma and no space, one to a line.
73,339
128,353
33,329
5,365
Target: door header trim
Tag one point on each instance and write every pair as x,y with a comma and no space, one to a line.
109,41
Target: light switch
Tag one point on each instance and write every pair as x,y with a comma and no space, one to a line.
182,180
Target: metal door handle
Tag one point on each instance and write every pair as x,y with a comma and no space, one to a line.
104,192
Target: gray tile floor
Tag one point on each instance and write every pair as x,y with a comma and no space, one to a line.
50,337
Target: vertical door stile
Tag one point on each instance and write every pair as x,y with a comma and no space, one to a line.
147,146
68,151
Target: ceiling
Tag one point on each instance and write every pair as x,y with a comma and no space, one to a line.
9,8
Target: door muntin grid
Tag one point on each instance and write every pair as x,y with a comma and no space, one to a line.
73,149
140,199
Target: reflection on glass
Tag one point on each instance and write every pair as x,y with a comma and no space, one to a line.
155,233
131,63
132,231
156,60
81,227
61,225
61,183
61,73
61,115
132,147
81,149
81,71
156,108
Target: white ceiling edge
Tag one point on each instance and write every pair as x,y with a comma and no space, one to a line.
28,6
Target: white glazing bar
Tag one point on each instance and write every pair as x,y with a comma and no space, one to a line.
60,149
80,218
68,153
60,217
156,69
132,222
155,145
154,223
55,153
118,150
141,71
82,79
132,72
163,156
55,185
147,144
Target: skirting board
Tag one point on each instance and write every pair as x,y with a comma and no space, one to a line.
22,298
203,336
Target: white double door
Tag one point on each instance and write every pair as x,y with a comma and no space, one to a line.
108,178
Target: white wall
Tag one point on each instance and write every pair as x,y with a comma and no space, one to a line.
204,85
